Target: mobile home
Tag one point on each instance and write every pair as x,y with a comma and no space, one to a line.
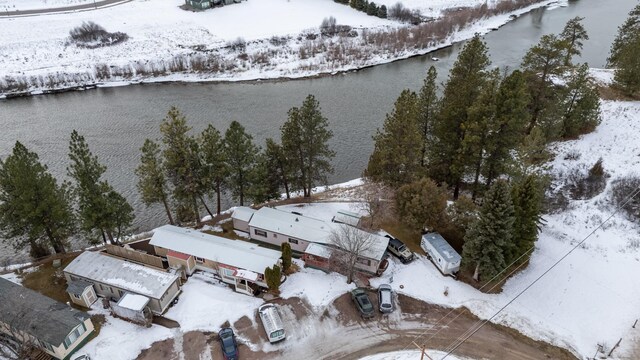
443,256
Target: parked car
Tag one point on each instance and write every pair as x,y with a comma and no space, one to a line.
363,303
399,249
385,298
272,322
228,344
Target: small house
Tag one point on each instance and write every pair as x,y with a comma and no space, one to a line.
82,293
239,263
443,256
241,217
318,257
133,307
347,217
36,320
112,278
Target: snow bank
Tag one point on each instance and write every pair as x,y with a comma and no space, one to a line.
13,277
318,288
205,304
410,355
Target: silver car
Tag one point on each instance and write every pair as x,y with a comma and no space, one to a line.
385,298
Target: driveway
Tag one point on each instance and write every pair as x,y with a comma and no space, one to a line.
338,332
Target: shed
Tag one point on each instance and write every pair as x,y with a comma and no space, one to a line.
241,217
446,259
347,217
133,307
82,293
317,256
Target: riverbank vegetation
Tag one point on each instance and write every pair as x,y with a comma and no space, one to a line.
308,53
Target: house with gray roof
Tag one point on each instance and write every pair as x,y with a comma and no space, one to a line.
443,256
112,278
36,320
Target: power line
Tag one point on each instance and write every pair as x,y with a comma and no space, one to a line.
484,322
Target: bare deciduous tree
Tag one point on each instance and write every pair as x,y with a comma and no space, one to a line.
349,244
377,200
15,345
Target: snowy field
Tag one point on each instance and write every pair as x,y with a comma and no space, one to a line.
37,48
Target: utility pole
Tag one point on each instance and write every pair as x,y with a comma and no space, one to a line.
423,351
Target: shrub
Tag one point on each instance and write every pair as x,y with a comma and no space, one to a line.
584,186
91,35
621,192
239,44
328,26
400,13
286,256
272,277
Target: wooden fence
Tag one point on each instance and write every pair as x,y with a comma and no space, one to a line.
135,256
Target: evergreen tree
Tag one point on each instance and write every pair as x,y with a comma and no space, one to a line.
382,12
152,184
427,111
573,35
305,137
286,256
98,204
179,161
264,183
627,74
466,79
241,154
272,277
628,32
480,124
489,240
421,204
541,64
278,163
527,197
507,131
34,210
214,163
372,9
581,104
533,149
396,155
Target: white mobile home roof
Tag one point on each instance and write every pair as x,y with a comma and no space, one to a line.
347,217
133,302
236,253
296,226
378,246
243,213
318,250
442,247
108,270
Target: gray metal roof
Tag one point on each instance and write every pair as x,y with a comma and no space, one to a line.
77,287
122,274
36,314
243,213
442,247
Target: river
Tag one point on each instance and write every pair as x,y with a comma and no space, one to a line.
115,121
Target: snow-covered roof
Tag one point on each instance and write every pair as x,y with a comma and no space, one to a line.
442,247
346,217
243,213
131,277
378,246
318,250
289,224
237,253
133,302
246,274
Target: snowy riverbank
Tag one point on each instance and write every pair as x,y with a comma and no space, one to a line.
278,41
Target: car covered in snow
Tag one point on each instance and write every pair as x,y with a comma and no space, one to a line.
399,249
385,299
362,302
228,344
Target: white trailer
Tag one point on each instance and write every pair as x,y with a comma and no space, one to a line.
443,256
272,322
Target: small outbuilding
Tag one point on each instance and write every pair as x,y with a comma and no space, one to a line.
443,256
317,256
82,293
347,217
135,308
241,217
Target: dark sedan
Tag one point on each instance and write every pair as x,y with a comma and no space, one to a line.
228,344
363,303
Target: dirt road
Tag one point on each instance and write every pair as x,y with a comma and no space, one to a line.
339,333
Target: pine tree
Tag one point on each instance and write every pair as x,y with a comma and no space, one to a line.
427,111
489,240
628,32
541,64
372,9
421,204
98,204
573,35
627,74
34,210
533,149
241,154
382,12
273,278
286,256
466,79
396,155
305,141
214,163
507,132
278,163
527,202
152,184
581,104
264,183
179,160
480,124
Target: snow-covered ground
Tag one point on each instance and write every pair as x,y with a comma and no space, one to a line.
20,5
164,38
410,355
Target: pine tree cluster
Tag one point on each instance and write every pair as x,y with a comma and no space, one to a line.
625,54
370,8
